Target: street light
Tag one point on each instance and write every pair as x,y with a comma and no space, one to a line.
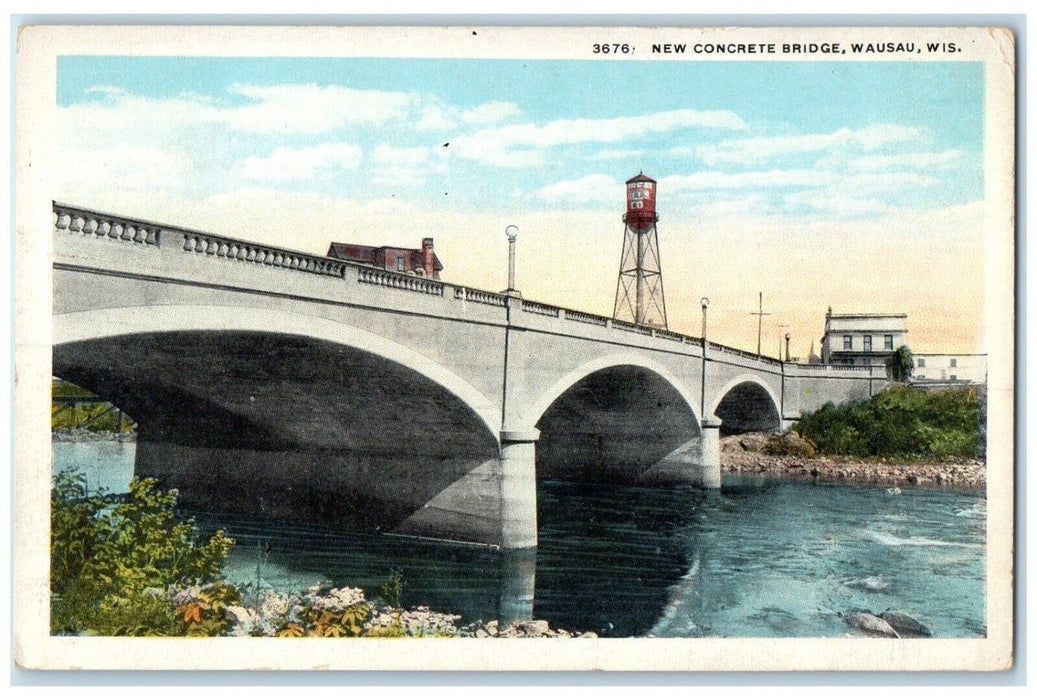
705,305
780,327
788,358
512,233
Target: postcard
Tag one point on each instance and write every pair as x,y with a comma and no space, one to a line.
506,348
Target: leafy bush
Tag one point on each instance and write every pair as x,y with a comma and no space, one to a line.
898,422
114,559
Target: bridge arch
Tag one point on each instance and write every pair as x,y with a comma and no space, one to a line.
620,418
547,397
96,324
747,404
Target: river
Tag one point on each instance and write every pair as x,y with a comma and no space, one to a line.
759,558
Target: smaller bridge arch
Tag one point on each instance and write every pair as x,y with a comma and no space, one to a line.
747,404
618,418
545,398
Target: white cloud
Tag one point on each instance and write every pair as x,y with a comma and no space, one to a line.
440,117
591,188
289,109
128,167
489,112
713,180
300,163
311,109
521,145
616,154
384,153
925,160
753,150
436,118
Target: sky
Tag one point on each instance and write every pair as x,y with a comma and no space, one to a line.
852,185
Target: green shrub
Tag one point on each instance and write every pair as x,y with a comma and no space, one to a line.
898,422
114,559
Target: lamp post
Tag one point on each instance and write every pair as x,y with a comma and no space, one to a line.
512,233
702,396
788,357
780,327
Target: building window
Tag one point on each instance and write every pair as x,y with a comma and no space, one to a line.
887,342
921,362
867,343
847,342
954,362
954,377
849,360
400,263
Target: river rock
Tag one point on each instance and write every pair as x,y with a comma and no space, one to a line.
870,624
905,625
866,583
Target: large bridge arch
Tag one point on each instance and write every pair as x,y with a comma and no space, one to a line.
95,324
293,416
745,403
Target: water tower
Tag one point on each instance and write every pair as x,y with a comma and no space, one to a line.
639,290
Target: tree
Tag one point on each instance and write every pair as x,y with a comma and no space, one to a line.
900,364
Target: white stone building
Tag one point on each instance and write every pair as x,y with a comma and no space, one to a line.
932,368
862,339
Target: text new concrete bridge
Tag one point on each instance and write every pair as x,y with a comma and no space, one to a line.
297,385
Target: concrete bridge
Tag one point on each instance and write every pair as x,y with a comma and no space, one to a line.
296,385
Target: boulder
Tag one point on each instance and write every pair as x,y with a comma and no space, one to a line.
870,624
905,625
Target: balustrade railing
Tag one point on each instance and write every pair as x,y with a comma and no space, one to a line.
837,368
232,249
631,327
395,280
106,226
669,335
581,317
116,228
478,296
542,309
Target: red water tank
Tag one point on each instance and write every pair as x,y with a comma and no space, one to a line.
640,213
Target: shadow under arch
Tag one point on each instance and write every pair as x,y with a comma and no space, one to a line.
289,416
746,404
612,420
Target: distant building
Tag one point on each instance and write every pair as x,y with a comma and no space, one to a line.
417,261
862,339
939,368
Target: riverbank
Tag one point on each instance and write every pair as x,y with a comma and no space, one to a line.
85,435
744,454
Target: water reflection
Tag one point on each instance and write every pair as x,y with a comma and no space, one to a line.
757,558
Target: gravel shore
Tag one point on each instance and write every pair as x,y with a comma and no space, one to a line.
741,454
84,435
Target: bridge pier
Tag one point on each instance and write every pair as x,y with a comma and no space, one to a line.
710,463
518,488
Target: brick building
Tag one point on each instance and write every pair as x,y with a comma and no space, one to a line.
418,261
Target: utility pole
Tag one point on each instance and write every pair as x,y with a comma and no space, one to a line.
759,326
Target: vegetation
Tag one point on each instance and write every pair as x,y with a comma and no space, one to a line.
98,415
114,561
900,364
898,422
127,565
